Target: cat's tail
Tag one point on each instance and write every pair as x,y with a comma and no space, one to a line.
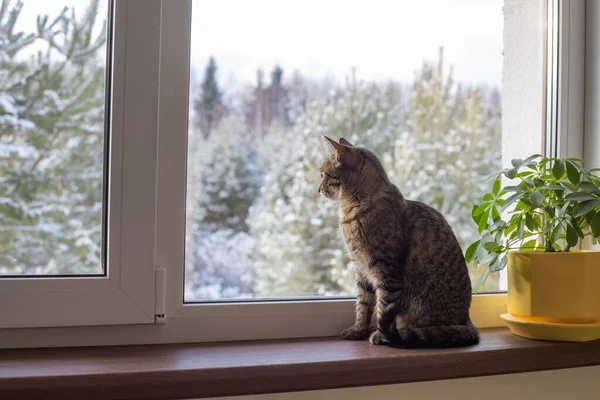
437,336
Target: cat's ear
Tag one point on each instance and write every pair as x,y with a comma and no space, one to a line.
344,154
327,145
345,142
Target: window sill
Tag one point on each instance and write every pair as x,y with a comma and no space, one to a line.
207,370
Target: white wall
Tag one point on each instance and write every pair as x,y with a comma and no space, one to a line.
569,384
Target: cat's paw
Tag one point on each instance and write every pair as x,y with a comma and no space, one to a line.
354,333
378,338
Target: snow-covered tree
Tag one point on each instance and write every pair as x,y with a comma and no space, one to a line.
51,142
209,101
224,180
451,141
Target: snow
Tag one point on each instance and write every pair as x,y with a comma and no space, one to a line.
7,103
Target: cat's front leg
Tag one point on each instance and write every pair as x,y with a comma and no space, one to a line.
365,301
386,310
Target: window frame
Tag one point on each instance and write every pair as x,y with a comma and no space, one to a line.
181,322
125,295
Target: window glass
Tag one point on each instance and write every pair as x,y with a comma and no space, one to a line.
52,136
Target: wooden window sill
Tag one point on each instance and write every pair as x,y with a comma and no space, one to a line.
182,371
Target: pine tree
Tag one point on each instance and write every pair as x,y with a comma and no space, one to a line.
225,180
51,143
278,98
209,103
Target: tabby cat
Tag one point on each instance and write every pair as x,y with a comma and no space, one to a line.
410,269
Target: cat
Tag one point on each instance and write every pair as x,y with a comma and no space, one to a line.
410,269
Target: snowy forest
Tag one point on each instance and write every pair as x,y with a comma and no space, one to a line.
256,225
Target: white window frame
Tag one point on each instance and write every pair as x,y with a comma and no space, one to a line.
126,294
160,83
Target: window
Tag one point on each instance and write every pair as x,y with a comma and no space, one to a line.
202,207
77,155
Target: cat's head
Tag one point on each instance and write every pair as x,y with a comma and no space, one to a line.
341,163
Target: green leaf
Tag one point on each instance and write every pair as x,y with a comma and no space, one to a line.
529,245
499,264
495,214
488,197
520,227
530,159
554,187
498,237
595,225
480,209
585,207
580,196
497,224
572,237
489,246
481,280
558,170
589,187
511,173
530,222
509,201
536,198
483,222
516,162
471,251
496,188
514,189
573,173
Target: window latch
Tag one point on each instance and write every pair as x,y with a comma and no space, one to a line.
160,282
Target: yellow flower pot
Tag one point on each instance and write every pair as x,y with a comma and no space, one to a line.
554,296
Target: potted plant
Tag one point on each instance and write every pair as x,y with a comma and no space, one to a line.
535,225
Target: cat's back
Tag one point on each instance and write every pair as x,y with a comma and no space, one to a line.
433,242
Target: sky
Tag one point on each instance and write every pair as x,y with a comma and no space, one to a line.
383,39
